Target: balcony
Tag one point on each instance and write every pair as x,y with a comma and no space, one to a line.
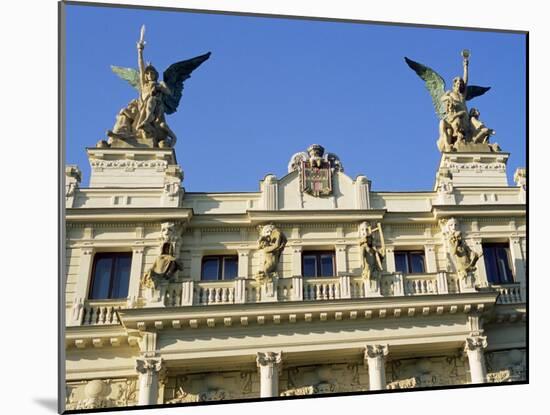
301,289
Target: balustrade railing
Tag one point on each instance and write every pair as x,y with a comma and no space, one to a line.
248,290
321,288
508,293
101,312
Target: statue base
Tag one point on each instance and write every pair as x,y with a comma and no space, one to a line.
268,290
372,288
133,167
477,169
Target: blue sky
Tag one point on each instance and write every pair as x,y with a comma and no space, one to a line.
274,86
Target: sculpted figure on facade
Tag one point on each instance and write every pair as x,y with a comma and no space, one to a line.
272,242
166,264
459,129
465,259
372,256
142,122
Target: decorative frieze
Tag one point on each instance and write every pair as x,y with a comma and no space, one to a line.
101,393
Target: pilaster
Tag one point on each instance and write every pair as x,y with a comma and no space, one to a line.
431,260
390,259
296,260
341,260
518,264
82,284
135,275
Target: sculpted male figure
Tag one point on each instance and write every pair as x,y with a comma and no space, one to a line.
371,256
164,267
465,258
272,241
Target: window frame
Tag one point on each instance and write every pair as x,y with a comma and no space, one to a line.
409,253
318,255
221,259
506,247
114,256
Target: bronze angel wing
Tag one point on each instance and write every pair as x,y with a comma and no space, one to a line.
128,74
473,91
174,77
434,83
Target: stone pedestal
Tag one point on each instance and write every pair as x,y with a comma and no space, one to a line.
148,369
474,349
269,363
136,168
154,297
375,355
269,290
460,169
372,288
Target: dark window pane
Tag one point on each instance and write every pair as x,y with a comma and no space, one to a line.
401,264
101,278
497,263
327,269
210,269
503,264
417,262
121,277
230,268
309,266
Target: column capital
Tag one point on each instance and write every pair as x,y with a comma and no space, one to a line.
149,365
374,351
475,343
268,358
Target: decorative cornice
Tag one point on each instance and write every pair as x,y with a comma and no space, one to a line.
201,317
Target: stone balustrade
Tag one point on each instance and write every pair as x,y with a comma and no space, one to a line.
508,293
99,312
250,291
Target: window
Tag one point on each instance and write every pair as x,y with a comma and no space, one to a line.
110,275
219,267
410,262
318,264
497,263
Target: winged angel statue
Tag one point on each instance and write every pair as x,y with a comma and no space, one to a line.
459,129
143,120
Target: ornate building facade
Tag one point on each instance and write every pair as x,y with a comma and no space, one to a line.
314,284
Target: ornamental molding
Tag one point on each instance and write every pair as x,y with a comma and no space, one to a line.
228,316
474,166
132,164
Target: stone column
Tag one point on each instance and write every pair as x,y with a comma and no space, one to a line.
375,355
481,278
269,363
148,369
474,349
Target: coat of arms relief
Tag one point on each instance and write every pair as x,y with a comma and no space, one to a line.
316,169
